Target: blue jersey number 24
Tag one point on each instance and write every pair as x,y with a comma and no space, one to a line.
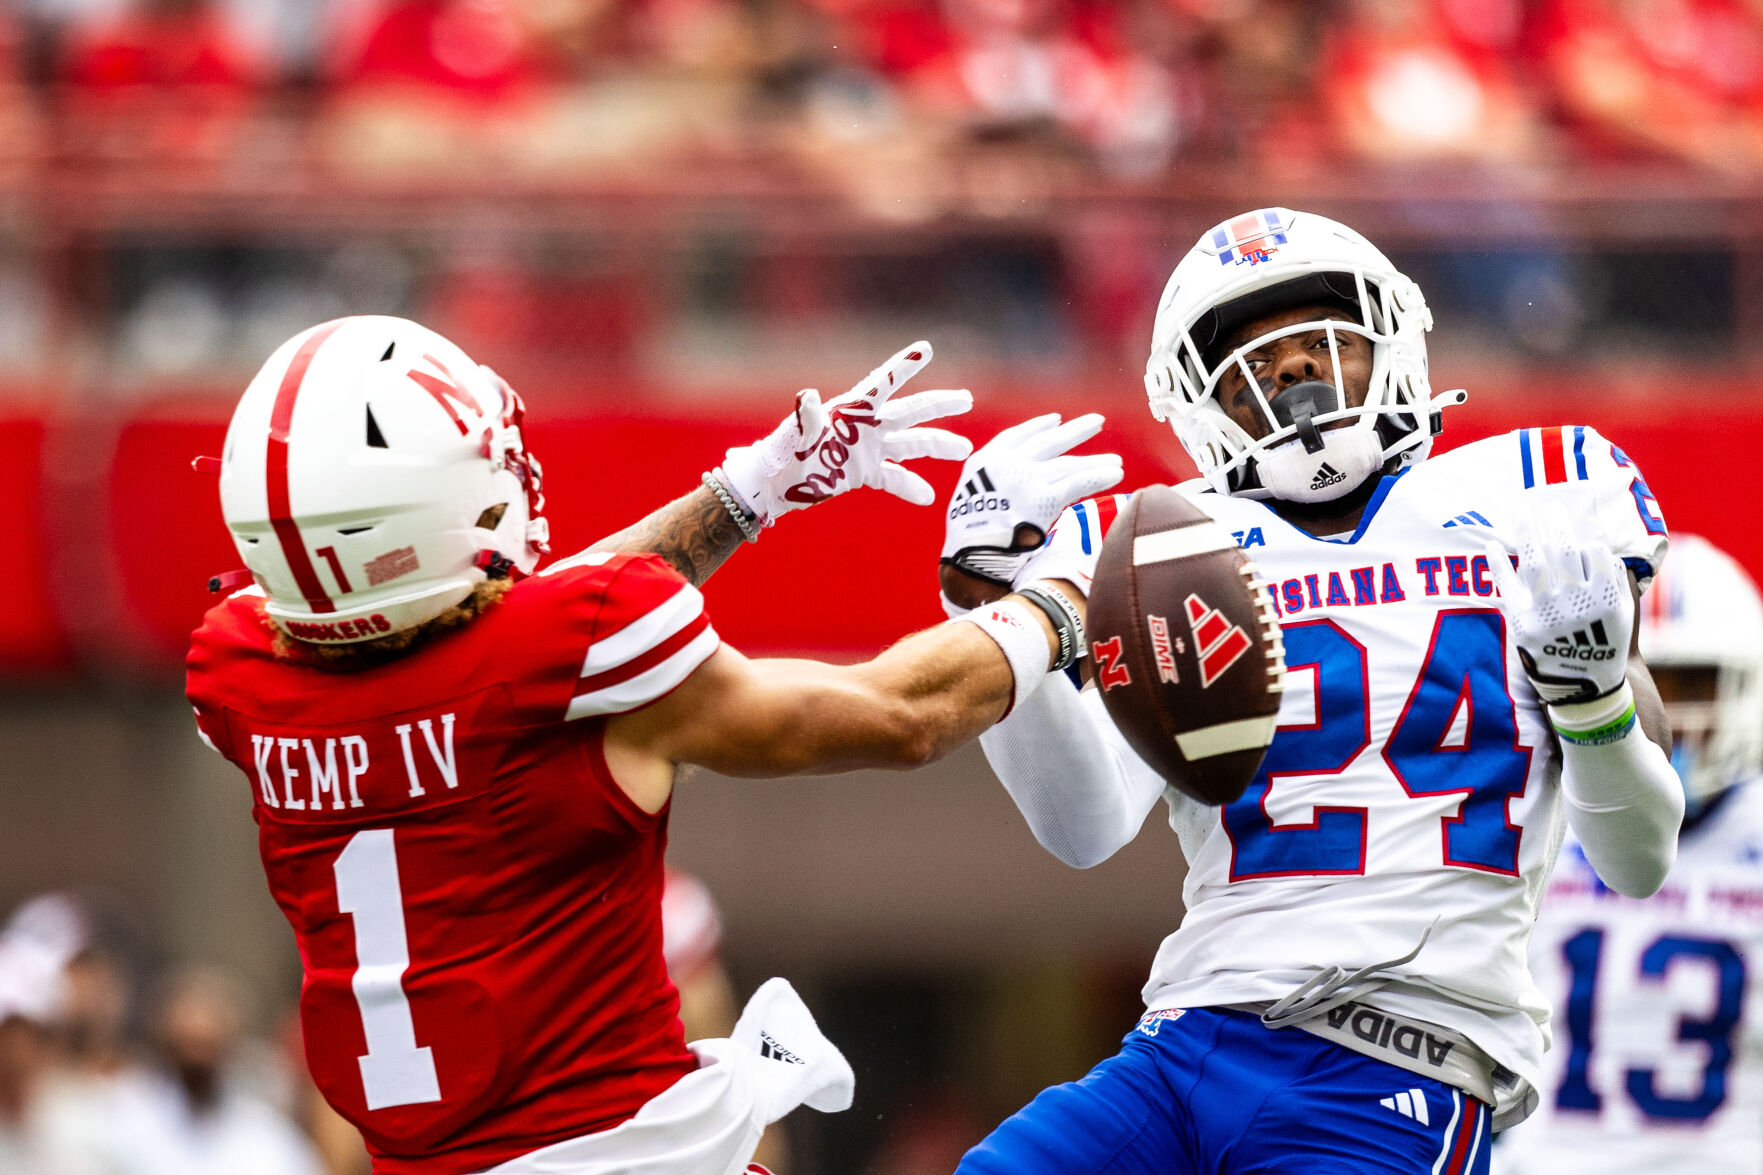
1464,674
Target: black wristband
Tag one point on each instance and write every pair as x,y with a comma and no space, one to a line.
1063,615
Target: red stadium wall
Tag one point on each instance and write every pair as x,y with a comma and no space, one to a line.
116,536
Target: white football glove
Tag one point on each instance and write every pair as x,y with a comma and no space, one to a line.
823,450
1015,487
1570,608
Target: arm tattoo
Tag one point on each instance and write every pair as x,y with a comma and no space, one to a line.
694,533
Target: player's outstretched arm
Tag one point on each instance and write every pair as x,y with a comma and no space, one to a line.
1083,791
695,534
1624,801
818,452
914,703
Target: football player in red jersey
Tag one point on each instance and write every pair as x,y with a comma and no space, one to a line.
461,765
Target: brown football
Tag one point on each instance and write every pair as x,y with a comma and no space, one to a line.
1186,646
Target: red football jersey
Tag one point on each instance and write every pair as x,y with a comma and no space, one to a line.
477,904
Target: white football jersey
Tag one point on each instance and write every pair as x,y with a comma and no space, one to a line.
1658,1056
1413,781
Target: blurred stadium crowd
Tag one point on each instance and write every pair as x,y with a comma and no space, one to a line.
110,1065
850,87
664,182
115,1060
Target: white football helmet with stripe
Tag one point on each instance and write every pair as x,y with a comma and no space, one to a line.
1703,612
373,475
1257,264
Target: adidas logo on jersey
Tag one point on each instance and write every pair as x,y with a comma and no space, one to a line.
1582,647
770,1049
1326,476
1410,1103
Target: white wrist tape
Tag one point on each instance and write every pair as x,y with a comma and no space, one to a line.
743,475
1017,630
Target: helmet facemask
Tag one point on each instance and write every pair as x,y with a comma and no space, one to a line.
1314,262
1701,633
1714,740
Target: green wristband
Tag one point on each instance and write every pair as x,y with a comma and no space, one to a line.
1610,732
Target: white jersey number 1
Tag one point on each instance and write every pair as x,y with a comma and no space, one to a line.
395,1072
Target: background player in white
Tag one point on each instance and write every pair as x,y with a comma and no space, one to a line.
1348,989
1657,1063
461,765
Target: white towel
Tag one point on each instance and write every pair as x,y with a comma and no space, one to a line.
796,1064
709,1121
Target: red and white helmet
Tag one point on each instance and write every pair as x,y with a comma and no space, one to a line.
1703,612
1275,259
373,475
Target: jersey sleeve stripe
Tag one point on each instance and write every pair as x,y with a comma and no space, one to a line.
580,559
203,734
1554,462
1083,526
647,659
1106,508
645,632
1524,455
1579,451
646,687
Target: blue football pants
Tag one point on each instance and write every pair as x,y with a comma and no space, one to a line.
1210,1091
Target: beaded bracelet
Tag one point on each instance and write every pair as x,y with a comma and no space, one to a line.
748,523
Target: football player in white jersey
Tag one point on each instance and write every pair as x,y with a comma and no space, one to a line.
1348,990
1658,1057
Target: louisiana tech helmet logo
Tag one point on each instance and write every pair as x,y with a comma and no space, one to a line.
1247,240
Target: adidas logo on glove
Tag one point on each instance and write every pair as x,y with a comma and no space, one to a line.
975,500
1326,476
1582,647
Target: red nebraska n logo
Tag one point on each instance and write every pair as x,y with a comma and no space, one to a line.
1219,642
448,392
1110,669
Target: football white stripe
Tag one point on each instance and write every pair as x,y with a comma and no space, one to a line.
1244,734
645,632
648,685
1198,539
